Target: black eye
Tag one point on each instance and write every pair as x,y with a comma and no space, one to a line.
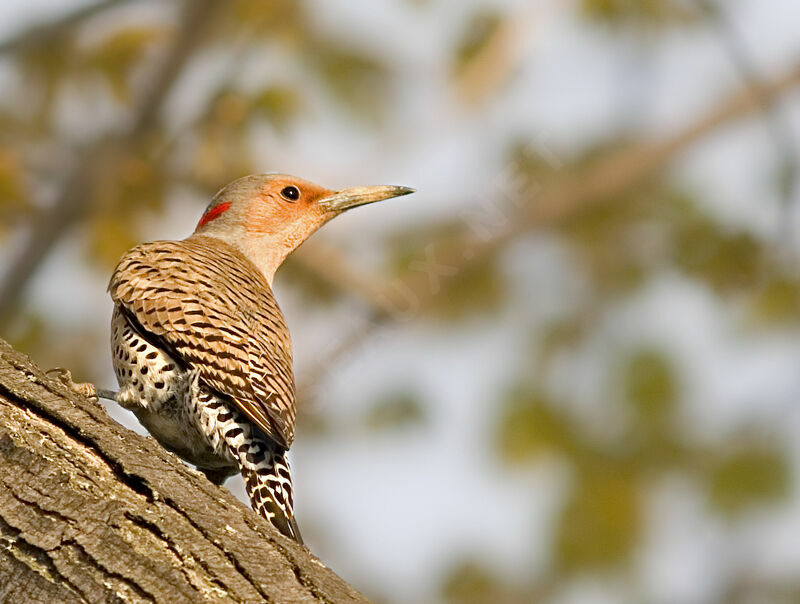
290,193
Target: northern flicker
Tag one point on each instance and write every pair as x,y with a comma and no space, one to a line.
200,347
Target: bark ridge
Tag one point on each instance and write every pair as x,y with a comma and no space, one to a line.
93,512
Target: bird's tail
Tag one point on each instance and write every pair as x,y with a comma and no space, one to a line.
268,482
261,460
267,477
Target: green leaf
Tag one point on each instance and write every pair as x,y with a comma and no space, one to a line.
727,261
638,12
600,523
530,427
276,19
469,582
777,302
650,385
14,202
749,477
651,389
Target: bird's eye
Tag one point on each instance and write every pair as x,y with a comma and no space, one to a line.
291,193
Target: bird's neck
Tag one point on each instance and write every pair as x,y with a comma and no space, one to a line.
265,253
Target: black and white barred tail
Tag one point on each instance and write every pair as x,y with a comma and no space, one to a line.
262,462
269,486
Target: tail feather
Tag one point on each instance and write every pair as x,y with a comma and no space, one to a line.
268,482
262,462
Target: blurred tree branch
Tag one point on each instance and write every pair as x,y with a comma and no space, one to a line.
71,203
602,181
92,512
38,33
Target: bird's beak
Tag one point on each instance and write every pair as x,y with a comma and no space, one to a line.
359,196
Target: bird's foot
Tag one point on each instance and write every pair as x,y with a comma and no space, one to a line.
64,376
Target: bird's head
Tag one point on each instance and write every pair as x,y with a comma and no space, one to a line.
266,216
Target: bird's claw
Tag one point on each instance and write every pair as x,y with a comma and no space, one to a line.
64,376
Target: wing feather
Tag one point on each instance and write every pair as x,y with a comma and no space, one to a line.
216,311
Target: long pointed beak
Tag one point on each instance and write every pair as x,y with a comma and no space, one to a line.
347,199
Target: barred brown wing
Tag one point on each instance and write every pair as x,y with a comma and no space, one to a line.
216,312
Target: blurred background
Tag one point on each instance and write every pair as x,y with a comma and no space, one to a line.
567,370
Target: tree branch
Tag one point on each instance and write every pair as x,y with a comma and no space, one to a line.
92,512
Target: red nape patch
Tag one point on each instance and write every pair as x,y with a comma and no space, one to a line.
212,214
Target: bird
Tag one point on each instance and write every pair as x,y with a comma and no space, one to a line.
200,347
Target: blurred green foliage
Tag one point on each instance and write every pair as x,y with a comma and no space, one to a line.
286,19
748,477
452,293
650,388
648,12
279,105
778,302
116,56
309,283
13,201
531,427
728,262
479,288
357,80
395,410
605,243
600,524
469,582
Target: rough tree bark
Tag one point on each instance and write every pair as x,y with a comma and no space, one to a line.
92,512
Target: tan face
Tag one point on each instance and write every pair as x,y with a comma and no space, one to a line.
287,206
